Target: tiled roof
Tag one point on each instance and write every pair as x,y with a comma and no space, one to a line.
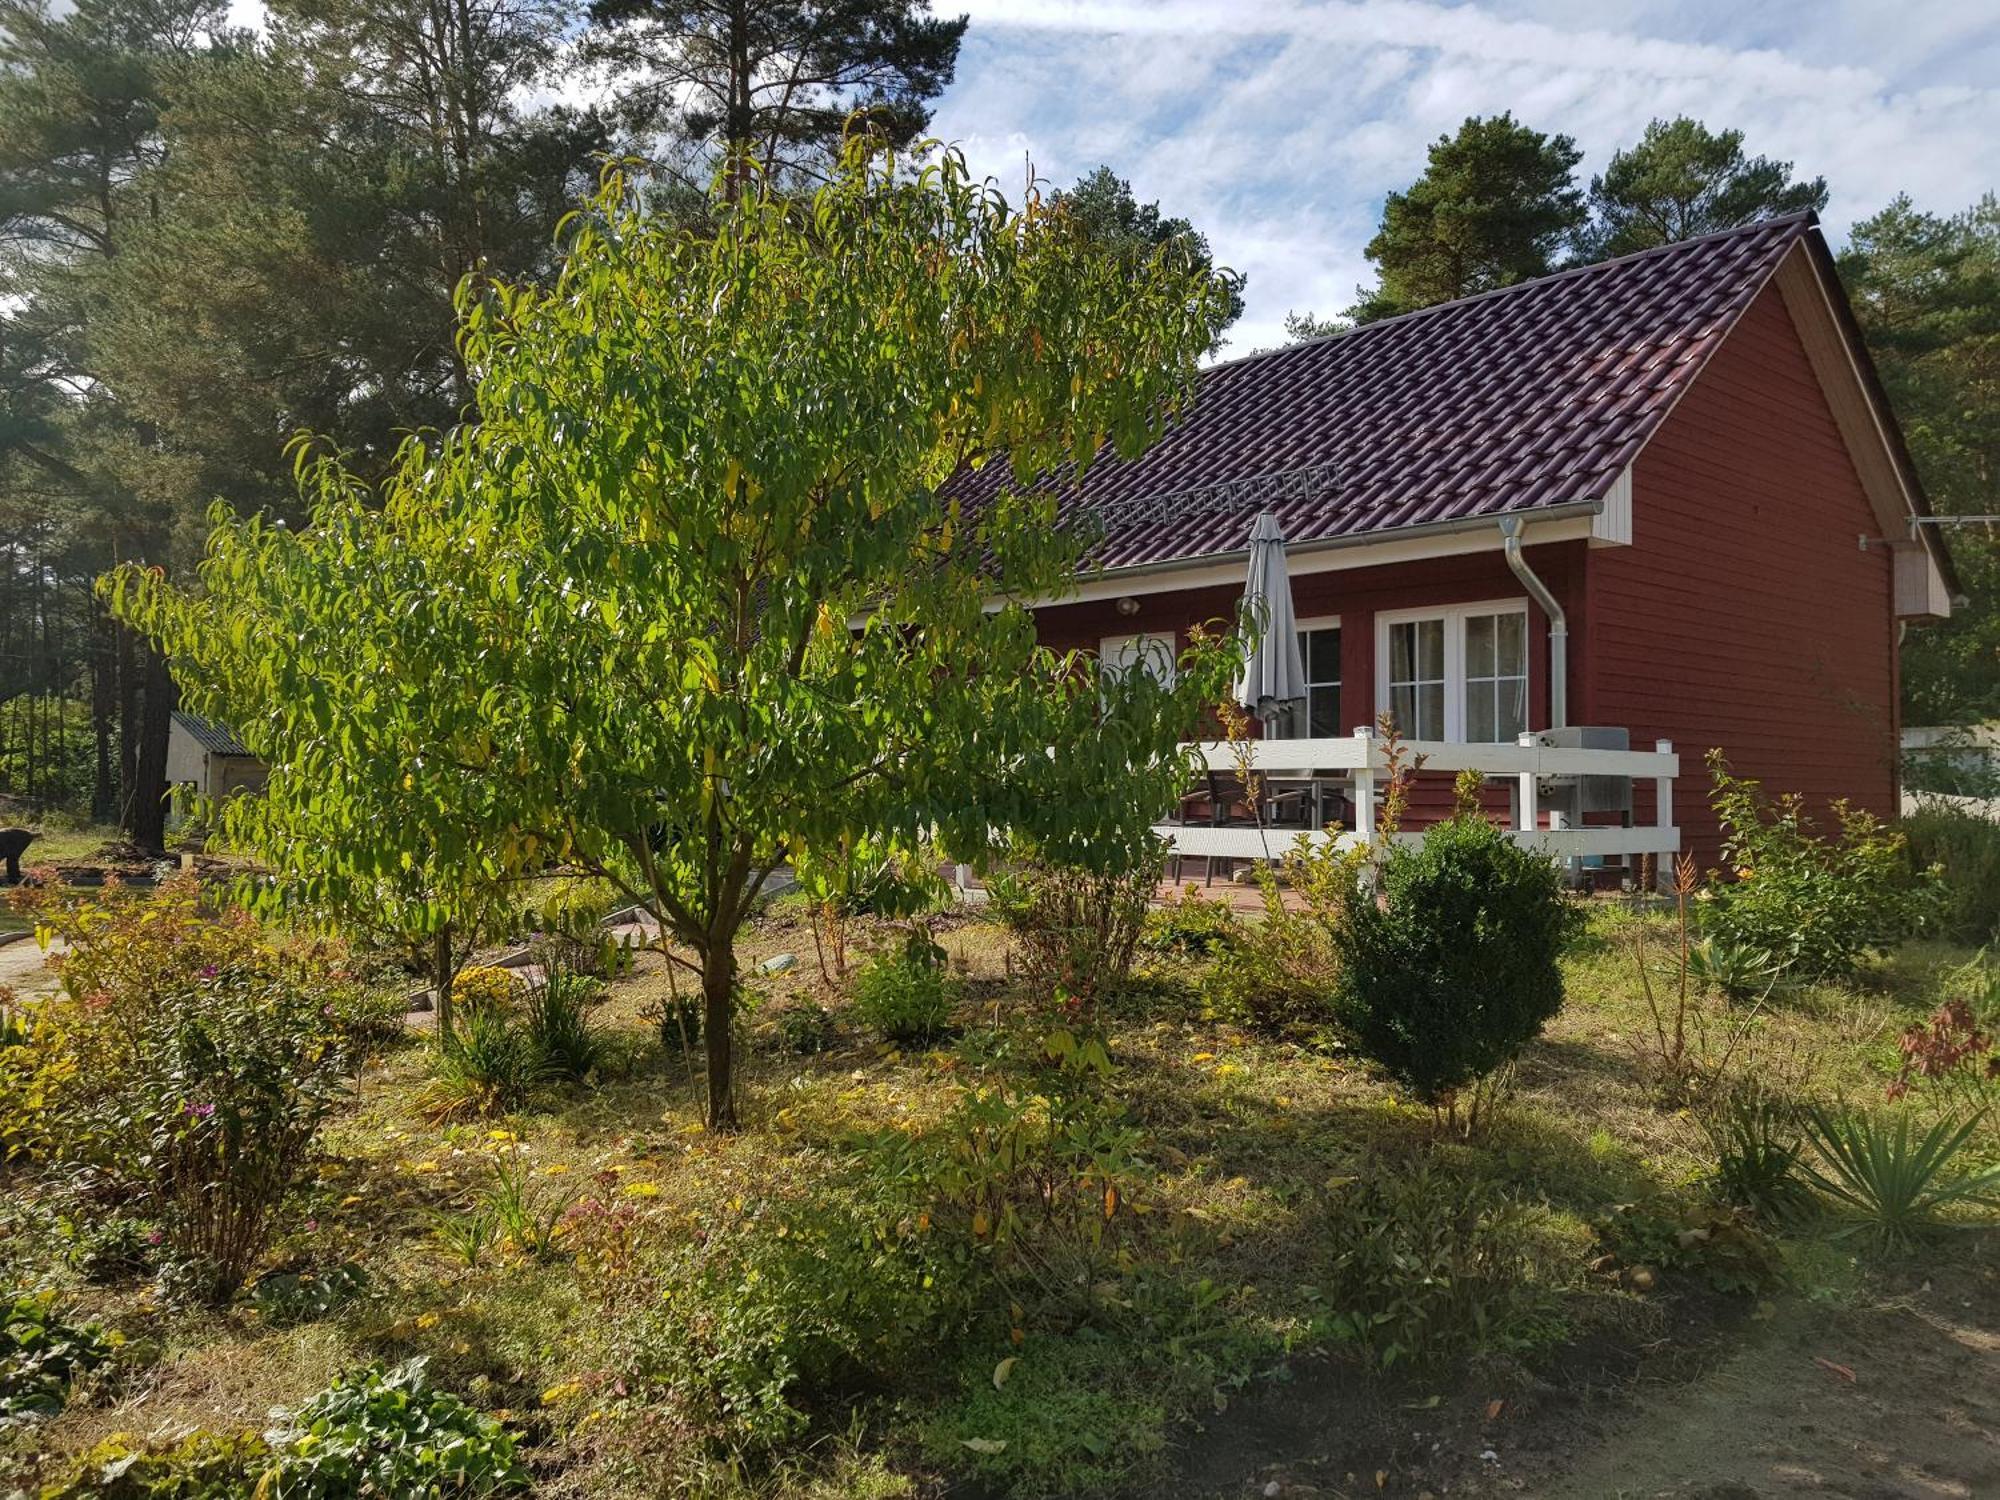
1529,397
216,739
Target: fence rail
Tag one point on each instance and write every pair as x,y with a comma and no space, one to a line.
1362,760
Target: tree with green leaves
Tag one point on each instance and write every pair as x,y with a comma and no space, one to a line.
1497,204
1683,179
771,85
690,599
1103,203
1926,290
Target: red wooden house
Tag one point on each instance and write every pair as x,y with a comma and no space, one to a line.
1712,504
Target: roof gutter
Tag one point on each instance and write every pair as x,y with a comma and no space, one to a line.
1456,526
1513,530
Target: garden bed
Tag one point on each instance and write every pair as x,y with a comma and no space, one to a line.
1202,1351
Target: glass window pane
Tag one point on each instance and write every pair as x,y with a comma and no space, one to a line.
1430,649
1512,645
1402,651
1479,723
1511,709
1479,646
1430,712
1403,709
1323,712
1323,655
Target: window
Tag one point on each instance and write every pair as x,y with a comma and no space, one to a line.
1496,676
1417,678
1155,651
1456,674
1319,648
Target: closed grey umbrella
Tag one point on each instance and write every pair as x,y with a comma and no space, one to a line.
1273,685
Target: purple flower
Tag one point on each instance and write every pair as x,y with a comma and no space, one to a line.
197,1111
209,971
312,1226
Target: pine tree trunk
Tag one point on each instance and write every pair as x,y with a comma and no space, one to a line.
103,705
149,783
128,725
718,992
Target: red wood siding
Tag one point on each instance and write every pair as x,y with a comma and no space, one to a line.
1745,615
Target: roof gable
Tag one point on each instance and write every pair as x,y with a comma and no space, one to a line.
216,739
1529,398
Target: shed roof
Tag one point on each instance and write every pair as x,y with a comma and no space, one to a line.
1526,398
216,739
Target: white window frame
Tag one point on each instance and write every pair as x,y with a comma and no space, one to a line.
1454,617
1302,627
1152,648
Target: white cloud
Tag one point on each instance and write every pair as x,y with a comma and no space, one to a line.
1277,125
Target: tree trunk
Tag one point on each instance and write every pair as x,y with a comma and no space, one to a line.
103,699
443,972
718,993
149,782
128,723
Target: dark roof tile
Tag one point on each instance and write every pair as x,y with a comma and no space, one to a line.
1529,397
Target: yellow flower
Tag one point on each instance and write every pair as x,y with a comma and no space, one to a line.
643,1189
425,1166
556,1394
1204,1057
502,1136
1229,1070
427,1320
555,1169
350,1200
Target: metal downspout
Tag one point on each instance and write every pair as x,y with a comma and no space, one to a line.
1512,531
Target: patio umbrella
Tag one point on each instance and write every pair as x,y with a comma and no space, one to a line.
1273,685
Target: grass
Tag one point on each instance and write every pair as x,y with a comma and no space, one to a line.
1212,1283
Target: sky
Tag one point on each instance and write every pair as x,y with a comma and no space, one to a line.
1276,126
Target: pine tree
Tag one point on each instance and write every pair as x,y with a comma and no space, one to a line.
1102,202
1497,204
771,84
1926,289
1683,180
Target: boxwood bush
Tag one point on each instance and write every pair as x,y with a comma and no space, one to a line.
1454,967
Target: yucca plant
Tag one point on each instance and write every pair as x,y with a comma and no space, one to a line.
1893,1185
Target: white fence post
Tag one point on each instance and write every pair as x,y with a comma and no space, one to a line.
1364,788
1527,804
1663,810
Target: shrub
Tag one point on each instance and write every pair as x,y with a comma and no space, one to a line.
486,987
907,996
286,1298
1956,1054
489,1065
1816,902
40,1355
792,1309
558,1023
199,1466
1418,1268
678,1021
1455,966
1718,1245
1278,973
1075,931
389,1432
1191,924
803,1027
1757,1140
1889,1183
196,1062
1965,849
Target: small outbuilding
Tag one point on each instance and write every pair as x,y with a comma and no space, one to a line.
205,759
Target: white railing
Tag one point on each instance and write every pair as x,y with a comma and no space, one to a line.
1364,758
